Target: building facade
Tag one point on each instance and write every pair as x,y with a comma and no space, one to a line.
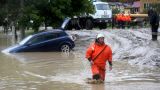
145,4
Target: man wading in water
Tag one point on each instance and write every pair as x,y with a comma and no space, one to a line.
98,54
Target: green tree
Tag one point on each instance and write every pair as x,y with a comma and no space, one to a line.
156,6
48,12
123,1
9,12
52,12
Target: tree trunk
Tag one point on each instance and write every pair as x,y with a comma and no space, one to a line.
22,33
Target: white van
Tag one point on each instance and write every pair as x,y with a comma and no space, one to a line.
102,11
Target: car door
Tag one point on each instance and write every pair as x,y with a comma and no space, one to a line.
51,41
36,44
45,42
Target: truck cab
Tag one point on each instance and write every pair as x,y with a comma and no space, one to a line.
100,18
103,13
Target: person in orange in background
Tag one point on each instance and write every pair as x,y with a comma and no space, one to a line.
118,19
123,21
128,20
98,53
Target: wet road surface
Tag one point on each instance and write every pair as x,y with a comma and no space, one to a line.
68,71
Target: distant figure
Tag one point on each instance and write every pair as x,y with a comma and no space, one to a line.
113,21
154,22
119,20
128,20
98,54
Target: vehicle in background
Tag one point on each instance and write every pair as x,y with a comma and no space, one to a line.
44,41
102,16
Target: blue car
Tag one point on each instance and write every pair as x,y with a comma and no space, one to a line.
45,41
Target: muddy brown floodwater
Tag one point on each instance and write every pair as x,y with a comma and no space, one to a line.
68,71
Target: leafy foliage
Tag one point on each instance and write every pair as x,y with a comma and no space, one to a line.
123,1
156,6
48,12
9,11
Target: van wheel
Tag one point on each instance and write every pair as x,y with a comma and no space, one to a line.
89,24
65,48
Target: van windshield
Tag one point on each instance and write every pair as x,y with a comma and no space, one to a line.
102,6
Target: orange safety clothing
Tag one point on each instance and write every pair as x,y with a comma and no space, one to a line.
99,64
129,18
118,17
123,18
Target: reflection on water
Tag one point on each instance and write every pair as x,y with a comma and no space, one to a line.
59,71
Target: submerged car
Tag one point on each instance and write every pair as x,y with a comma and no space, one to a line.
45,41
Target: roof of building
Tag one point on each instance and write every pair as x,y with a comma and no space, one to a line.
136,4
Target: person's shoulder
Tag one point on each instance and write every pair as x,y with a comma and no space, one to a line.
108,46
91,44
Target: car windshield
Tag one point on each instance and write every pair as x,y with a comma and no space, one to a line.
25,40
102,6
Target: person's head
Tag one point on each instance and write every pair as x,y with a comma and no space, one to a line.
100,38
150,12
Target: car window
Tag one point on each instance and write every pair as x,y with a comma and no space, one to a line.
25,40
51,36
36,40
43,38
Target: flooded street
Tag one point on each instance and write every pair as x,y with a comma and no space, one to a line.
68,71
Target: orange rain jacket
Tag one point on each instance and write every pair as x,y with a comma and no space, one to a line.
118,17
100,62
128,18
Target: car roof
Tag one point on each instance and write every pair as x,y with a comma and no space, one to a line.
49,31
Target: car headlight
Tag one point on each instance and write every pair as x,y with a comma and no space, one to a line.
73,37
